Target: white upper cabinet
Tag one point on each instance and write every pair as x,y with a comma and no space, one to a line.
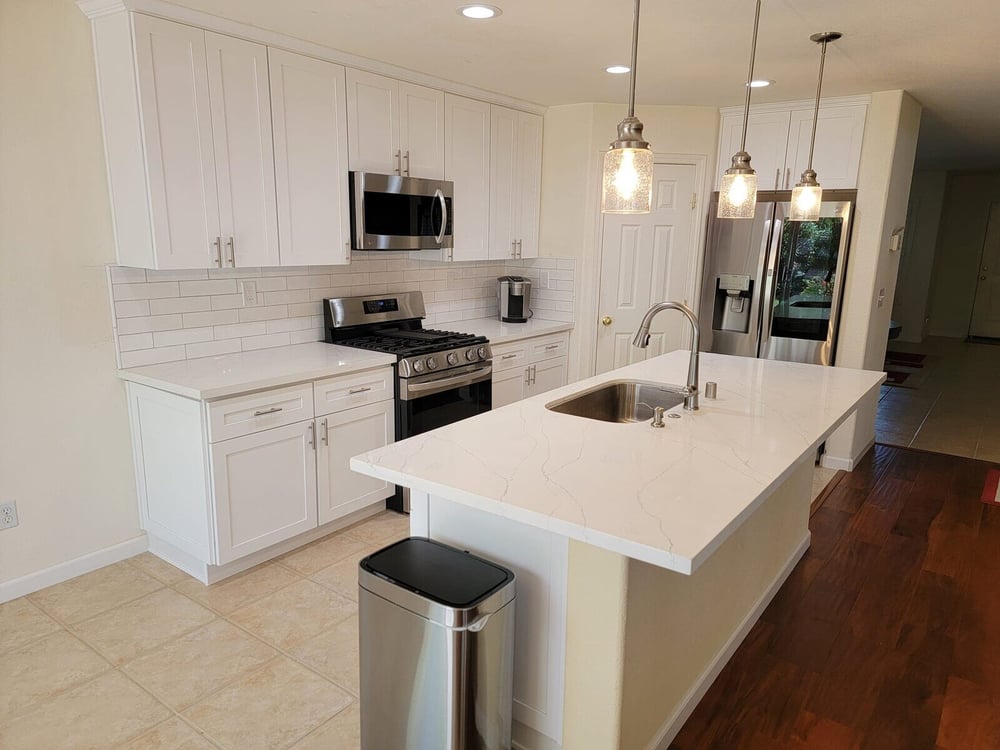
244,153
515,182
176,124
310,159
467,165
778,141
394,127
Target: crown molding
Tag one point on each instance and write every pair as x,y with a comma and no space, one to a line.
832,101
97,8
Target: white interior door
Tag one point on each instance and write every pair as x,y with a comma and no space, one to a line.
986,310
648,258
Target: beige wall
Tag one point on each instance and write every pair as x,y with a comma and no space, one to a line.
64,452
959,249
923,219
576,136
883,191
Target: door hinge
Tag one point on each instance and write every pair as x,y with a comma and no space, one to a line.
694,201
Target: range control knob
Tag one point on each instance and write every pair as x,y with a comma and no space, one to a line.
418,365
452,358
482,352
432,363
471,355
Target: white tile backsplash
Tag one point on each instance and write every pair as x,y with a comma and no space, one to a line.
164,316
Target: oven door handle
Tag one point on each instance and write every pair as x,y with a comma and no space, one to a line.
408,391
444,216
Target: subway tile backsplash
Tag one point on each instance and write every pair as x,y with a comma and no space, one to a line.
165,316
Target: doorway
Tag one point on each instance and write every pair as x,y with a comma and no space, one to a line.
648,258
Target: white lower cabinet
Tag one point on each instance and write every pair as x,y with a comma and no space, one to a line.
529,367
264,486
226,484
342,435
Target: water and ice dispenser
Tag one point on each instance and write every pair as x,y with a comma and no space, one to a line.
733,295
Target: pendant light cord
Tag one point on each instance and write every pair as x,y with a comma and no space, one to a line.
635,54
819,90
753,54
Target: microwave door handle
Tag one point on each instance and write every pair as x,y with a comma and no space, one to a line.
439,238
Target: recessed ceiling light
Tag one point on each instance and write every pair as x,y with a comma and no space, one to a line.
480,11
760,83
618,69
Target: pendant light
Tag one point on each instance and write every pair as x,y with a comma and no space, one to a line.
738,191
808,195
628,164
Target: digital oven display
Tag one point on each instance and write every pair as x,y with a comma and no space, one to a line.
374,306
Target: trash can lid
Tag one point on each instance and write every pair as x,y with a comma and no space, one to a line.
438,572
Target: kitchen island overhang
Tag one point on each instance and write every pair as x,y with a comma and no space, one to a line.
604,516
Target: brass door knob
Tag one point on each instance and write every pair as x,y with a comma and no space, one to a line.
606,320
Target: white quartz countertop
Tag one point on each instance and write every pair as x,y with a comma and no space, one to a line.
499,332
210,378
670,496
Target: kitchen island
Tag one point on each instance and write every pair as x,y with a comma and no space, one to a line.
643,555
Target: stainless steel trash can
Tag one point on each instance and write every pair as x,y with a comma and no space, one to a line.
437,643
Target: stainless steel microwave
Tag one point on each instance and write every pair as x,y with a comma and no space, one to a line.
390,212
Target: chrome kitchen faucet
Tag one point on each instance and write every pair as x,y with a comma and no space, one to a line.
641,340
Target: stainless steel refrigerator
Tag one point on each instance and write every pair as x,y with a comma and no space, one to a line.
772,288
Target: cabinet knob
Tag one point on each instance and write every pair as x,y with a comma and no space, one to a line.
607,320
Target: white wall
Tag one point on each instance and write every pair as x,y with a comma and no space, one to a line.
883,192
64,450
960,247
575,138
923,219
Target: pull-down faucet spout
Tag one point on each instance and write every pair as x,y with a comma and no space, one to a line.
641,340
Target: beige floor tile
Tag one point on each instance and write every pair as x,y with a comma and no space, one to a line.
235,592
294,614
192,666
21,622
334,654
38,671
173,734
93,593
97,715
271,708
342,577
125,632
323,553
383,529
342,732
150,564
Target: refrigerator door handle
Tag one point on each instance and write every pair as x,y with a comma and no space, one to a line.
767,299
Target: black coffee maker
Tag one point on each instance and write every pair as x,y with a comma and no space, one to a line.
514,298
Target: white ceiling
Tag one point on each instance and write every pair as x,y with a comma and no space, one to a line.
554,52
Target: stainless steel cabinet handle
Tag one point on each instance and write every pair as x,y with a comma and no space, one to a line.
406,169
217,244
520,249
788,177
508,356
326,433
399,164
527,376
359,390
552,346
534,374
312,435
513,248
777,178
231,244
273,410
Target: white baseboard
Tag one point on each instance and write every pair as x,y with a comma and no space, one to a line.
668,732
71,569
845,464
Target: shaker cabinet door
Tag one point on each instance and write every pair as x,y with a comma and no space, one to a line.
373,122
467,164
839,134
176,117
503,176
421,131
528,187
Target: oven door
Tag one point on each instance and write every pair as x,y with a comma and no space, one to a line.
431,401
389,212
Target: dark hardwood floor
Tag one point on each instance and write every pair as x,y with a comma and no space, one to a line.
887,634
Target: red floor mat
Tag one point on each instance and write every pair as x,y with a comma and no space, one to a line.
990,488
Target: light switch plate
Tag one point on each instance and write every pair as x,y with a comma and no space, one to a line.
249,288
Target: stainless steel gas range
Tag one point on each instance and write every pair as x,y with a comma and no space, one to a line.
441,376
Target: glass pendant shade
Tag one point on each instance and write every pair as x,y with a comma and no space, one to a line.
738,191
628,181
807,198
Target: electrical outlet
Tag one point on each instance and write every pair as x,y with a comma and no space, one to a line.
8,515
249,293
544,280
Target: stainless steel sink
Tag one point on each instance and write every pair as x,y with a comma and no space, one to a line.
619,401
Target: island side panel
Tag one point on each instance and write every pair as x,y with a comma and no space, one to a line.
681,630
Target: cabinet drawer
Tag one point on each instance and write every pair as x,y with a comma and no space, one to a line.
347,391
243,415
509,356
549,347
